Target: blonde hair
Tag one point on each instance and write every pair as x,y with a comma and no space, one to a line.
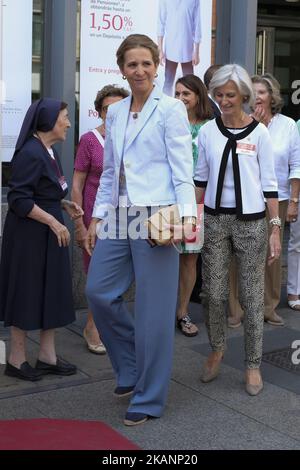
134,41
236,74
273,87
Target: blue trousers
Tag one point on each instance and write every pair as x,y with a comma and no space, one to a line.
140,347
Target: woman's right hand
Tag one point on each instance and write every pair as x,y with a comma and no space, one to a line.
61,232
80,235
90,240
259,114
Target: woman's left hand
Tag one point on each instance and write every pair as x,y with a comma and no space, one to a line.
72,209
292,212
274,245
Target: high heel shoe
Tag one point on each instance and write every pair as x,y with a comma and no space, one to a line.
211,372
252,389
94,348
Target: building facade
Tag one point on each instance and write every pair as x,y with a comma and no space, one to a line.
262,35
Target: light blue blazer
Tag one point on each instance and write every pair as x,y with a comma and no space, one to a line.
157,158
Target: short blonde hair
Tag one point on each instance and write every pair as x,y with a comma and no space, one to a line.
236,74
273,87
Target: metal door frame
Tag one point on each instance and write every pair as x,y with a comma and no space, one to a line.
265,44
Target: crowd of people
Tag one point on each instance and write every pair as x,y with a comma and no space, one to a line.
223,144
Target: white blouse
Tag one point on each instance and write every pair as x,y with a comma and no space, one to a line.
236,172
286,147
124,200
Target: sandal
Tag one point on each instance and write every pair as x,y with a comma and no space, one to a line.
294,304
186,326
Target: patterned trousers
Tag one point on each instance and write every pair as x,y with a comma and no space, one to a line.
223,236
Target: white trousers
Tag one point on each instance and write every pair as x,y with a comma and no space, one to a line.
293,283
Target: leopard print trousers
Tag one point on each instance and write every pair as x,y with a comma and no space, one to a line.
224,234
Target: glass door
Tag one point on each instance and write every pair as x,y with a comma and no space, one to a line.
287,66
277,52
265,40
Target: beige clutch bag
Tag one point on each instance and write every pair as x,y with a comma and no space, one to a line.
157,224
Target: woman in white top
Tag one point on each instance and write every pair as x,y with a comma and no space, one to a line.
179,37
293,283
286,148
236,167
147,164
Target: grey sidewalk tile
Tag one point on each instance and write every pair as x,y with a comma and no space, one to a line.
20,408
274,339
274,407
219,415
191,420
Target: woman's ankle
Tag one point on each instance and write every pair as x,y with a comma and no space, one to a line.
216,356
16,361
253,373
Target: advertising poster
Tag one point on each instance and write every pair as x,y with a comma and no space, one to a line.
178,24
2,92
16,54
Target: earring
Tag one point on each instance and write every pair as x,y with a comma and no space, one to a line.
124,78
156,75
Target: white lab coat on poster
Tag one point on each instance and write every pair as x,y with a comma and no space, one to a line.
179,23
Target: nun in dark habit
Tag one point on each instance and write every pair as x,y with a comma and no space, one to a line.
35,277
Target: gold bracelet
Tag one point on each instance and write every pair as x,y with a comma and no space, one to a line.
276,221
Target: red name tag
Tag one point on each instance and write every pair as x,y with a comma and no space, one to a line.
243,148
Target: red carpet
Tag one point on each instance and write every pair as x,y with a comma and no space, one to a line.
56,434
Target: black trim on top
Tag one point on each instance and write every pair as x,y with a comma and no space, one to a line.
231,146
271,194
240,135
237,179
222,171
200,184
233,211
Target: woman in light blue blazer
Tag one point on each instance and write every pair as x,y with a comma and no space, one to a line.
147,164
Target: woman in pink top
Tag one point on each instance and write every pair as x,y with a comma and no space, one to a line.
88,169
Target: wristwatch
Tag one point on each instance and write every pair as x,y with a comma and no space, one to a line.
294,199
189,220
